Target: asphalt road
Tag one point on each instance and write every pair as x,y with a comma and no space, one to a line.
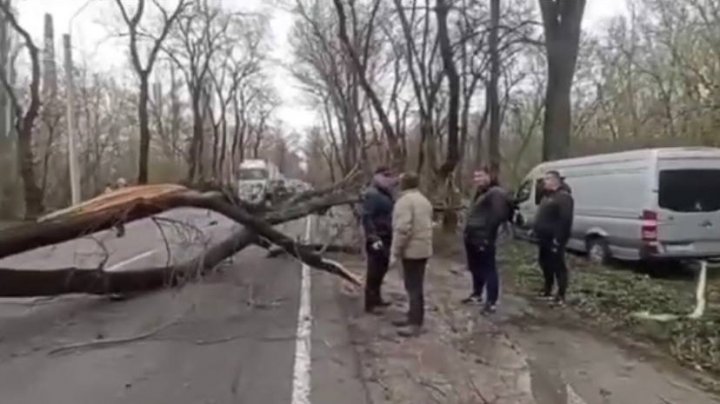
245,334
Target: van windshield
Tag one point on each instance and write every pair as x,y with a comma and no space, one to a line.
252,174
690,190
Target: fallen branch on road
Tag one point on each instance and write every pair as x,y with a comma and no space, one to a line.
140,202
109,342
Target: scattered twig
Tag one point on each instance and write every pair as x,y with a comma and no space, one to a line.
477,391
244,336
165,240
104,343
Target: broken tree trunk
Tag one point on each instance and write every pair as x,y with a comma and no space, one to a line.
50,282
135,203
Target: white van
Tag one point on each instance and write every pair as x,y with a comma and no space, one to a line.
255,180
637,205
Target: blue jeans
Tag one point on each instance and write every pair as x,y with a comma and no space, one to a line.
482,267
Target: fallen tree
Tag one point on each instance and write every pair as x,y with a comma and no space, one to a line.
140,202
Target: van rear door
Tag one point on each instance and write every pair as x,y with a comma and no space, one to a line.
689,208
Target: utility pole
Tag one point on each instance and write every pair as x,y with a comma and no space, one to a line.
72,140
72,147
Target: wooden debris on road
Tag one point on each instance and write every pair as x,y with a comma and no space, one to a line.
134,203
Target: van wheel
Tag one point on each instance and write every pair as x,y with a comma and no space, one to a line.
598,251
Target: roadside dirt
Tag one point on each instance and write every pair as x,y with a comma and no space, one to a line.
525,353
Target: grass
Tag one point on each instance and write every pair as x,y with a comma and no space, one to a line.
610,297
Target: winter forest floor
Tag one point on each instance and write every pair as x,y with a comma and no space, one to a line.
590,352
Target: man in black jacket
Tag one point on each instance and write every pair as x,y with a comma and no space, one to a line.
552,228
377,210
489,209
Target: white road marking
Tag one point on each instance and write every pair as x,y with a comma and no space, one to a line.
130,260
301,371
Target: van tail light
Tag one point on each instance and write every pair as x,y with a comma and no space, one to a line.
650,227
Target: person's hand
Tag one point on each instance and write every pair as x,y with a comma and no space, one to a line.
555,246
377,246
393,261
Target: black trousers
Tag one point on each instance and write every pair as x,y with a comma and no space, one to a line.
414,276
483,267
552,262
377,267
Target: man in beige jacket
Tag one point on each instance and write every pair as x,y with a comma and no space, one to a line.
412,244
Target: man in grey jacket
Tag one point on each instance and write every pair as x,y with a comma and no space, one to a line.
412,244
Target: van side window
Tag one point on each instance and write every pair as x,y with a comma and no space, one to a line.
523,193
539,191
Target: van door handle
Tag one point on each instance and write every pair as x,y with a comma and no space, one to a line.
706,224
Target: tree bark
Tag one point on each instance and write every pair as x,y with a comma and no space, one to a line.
562,21
493,98
453,147
195,147
395,150
144,121
24,123
47,282
139,202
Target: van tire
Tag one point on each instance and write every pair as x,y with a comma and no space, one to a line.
598,251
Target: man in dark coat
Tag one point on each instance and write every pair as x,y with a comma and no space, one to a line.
377,210
490,208
553,226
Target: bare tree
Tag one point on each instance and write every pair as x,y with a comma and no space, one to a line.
25,117
135,35
199,37
442,9
392,138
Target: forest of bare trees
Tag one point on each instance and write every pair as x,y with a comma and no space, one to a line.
436,86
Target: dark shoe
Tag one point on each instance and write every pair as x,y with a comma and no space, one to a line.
410,332
489,309
472,299
400,323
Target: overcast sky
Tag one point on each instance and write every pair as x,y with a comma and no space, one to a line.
90,38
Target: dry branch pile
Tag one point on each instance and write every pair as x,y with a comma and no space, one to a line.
140,202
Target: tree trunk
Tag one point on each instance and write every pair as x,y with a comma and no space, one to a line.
558,119
143,201
223,145
144,121
26,164
194,152
215,150
493,98
50,282
562,24
453,148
